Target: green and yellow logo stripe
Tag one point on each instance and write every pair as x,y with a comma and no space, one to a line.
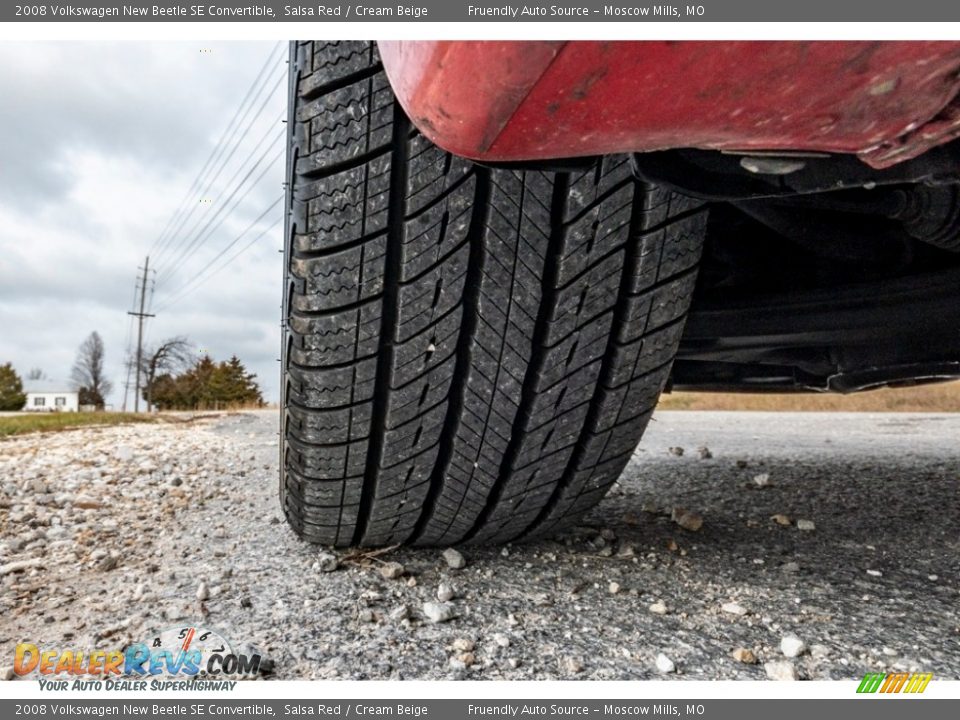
895,682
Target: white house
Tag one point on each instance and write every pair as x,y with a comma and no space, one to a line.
44,398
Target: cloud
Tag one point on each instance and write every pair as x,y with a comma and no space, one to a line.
99,145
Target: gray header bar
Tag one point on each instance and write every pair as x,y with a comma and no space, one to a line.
897,11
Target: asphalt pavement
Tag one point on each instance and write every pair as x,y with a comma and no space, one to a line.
735,546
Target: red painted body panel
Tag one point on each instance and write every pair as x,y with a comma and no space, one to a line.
510,101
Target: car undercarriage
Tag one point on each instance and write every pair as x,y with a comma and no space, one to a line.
820,273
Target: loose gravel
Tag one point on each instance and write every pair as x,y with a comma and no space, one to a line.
693,567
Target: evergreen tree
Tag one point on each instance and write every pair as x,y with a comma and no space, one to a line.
207,386
12,397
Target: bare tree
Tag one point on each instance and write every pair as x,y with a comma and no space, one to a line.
167,358
36,374
87,374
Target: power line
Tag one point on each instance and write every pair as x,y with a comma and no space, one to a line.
173,245
164,237
204,233
224,163
223,266
182,234
216,153
184,244
185,288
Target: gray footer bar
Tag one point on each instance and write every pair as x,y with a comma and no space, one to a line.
874,707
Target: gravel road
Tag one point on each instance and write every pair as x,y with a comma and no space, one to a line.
807,546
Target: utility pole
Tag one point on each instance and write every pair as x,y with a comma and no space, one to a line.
126,384
140,317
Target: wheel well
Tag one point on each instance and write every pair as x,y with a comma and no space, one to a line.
819,272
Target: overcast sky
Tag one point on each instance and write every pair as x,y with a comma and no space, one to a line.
99,143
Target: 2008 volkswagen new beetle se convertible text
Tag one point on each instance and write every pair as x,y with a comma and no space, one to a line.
499,254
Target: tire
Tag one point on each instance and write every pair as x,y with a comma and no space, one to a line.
471,355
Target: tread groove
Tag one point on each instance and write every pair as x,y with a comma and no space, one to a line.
528,392
606,371
455,407
389,317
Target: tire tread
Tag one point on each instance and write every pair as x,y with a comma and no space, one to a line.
471,354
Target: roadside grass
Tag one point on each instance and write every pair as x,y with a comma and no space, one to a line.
940,397
23,423
56,422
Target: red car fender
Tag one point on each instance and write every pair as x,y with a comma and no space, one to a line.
513,101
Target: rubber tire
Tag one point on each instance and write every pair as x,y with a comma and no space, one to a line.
470,354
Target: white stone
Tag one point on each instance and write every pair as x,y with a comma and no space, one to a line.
444,592
658,608
326,562
733,608
19,566
792,646
454,559
780,670
439,612
665,664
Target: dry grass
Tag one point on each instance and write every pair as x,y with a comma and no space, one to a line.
942,397
226,407
56,422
